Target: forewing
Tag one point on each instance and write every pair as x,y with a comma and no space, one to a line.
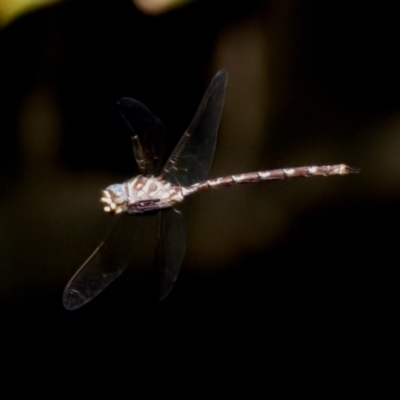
148,135
170,251
191,159
121,247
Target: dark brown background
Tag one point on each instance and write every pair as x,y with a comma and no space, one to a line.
301,267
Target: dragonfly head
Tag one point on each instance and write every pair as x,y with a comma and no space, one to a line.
114,199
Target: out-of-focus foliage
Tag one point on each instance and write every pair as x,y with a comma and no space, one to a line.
155,7
11,9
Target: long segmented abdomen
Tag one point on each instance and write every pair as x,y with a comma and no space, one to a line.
259,176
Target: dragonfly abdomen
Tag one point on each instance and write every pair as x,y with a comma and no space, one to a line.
259,176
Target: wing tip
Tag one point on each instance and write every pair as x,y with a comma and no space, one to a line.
222,74
72,299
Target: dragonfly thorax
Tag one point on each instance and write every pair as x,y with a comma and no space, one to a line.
140,194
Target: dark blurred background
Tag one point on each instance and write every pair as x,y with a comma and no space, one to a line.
288,266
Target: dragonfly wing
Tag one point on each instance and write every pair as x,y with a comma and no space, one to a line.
170,250
191,159
148,135
107,262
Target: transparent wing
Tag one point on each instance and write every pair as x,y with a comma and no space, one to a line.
148,135
189,163
121,247
191,159
170,251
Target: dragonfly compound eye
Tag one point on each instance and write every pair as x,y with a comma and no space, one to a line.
114,199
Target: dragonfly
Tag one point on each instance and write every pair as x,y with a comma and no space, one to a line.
158,189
